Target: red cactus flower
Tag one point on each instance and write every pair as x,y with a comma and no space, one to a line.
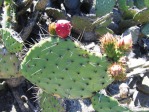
125,43
117,71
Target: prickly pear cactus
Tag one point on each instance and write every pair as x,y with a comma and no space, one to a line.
9,64
9,15
145,30
55,13
139,4
126,8
102,103
61,67
49,103
11,39
81,24
41,4
142,16
146,2
123,5
104,6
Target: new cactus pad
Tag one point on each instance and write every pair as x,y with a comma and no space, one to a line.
11,39
102,103
59,66
9,64
49,103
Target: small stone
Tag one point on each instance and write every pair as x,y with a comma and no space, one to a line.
140,99
144,87
123,90
134,32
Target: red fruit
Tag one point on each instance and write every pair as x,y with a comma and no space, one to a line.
63,28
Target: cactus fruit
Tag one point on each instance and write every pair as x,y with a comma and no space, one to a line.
68,70
9,64
63,28
104,6
102,103
117,71
49,103
11,39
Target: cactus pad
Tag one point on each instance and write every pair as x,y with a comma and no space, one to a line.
146,2
139,4
11,39
145,30
49,103
55,13
58,66
102,103
9,64
104,6
81,24
142,16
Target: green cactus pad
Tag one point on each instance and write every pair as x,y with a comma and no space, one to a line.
146,2
142,16
102,103
139,4
104,7
145,30
60,67
126,8
9,64
81,24
123,5
49,103
55,13
11,39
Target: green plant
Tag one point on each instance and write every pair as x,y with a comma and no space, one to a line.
104,7
49,103
68,70
9,64
11,39
102,103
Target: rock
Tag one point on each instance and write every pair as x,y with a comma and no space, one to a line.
133,32
117,16
123,90
144,87
113,88
131,81
146,42
2,85
140,99
135,63
72,4
78,105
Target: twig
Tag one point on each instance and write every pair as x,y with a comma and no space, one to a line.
27,30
